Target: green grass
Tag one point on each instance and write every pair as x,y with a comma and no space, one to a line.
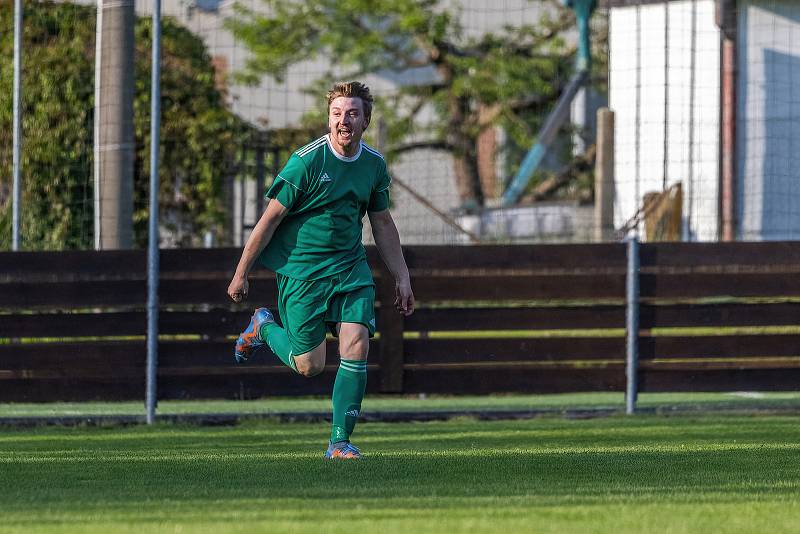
618,474
415,403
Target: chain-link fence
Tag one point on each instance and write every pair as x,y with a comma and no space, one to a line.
702,92
462,89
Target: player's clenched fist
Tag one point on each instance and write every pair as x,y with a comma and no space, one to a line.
237,290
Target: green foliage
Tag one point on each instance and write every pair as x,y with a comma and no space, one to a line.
198,134
509,78
57,91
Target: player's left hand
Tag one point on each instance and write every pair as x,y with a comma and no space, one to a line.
404,298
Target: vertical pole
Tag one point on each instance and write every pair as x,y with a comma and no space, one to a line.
689,195
604,177
728,140
632,325
665,162
17,127
638,114
152,252
98,69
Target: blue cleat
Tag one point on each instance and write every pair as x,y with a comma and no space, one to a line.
250,340
342,450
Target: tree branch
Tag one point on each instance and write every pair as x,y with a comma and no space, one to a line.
421,145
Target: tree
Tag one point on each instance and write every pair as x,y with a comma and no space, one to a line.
508,78
199,136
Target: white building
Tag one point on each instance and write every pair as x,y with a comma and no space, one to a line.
665,83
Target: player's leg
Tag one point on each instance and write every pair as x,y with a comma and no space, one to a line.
352,312
311,363
351,381
300,342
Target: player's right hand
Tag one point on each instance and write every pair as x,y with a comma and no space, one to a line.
238,288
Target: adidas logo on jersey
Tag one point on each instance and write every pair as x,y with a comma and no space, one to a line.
325,178
352,413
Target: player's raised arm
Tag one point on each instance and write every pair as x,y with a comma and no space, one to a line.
388,242
259,238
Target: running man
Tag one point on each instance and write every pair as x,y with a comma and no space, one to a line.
310,235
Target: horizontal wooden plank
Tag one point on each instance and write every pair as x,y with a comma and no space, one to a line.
557,257
486,381
214,292
719,380
724,254
253,386
111,388
547,287
73,264
70,295
699,364
701,285
517,318
132,293
200,353
65,325
428,351
729,347
219,322
91,359
214,323
74,358
246,385
719,315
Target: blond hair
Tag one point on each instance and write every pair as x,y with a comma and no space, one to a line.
352,90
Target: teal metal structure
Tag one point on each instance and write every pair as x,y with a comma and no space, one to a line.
583,12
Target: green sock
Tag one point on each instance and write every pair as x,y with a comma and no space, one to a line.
348,392
278,341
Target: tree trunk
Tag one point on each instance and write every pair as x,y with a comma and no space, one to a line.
465,158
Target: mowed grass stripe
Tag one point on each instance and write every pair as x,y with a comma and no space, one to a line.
619,474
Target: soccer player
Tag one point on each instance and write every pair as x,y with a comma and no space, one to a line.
310,235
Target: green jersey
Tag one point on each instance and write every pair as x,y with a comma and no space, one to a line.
327,196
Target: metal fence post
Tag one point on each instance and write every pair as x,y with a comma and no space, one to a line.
17,128
152,252
632,325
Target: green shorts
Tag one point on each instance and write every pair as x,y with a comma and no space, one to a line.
310,307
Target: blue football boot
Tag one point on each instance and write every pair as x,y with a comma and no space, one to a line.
342,450
250,339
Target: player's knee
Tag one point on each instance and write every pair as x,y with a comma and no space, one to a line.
308,367
354,344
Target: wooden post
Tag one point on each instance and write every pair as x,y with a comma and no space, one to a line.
726,18
604,177
391,327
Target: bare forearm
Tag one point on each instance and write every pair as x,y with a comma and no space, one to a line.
260,237
387,240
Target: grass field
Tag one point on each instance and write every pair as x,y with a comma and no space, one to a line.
618,474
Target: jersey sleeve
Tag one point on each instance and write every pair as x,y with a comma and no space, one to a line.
379,199
291,182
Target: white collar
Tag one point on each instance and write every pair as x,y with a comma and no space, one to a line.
343,158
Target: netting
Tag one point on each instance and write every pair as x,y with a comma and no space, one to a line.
664,89
453,140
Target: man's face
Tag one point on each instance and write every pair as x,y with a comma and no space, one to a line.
347,123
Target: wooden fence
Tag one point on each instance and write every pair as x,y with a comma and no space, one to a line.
551,318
